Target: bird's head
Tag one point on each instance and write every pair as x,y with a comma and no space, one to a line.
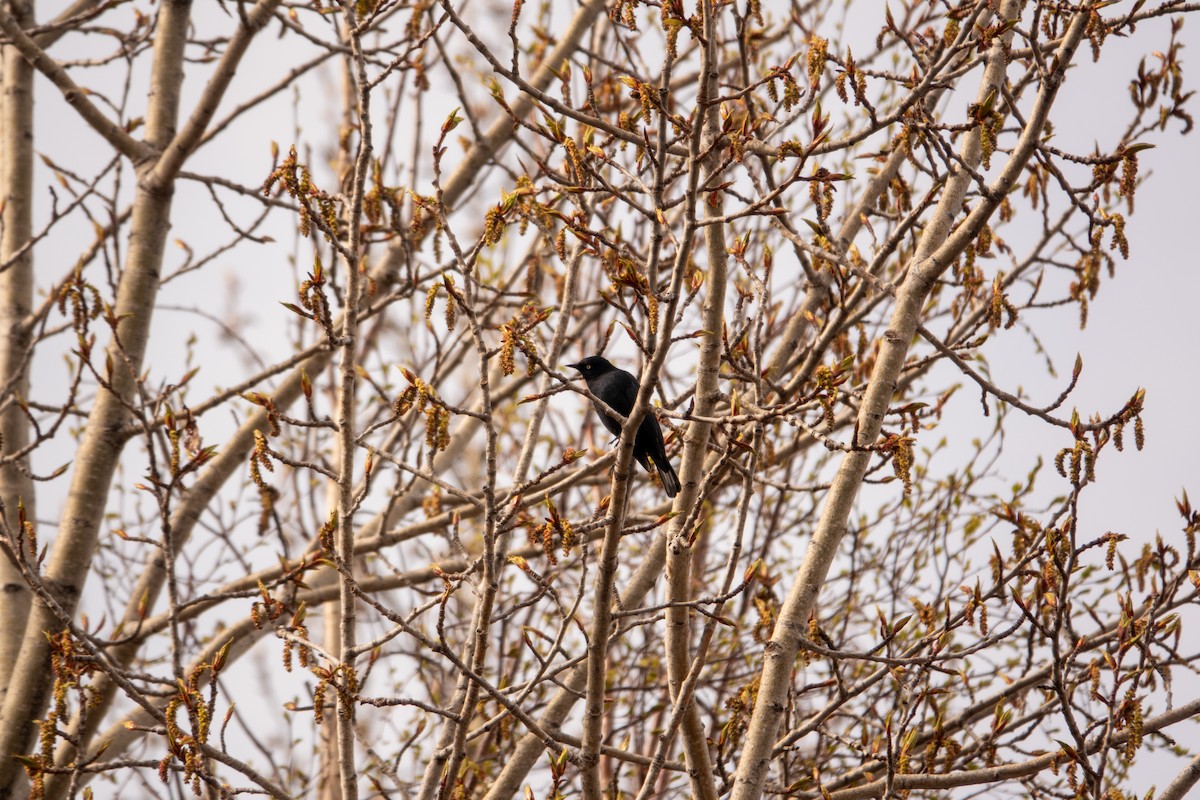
592,367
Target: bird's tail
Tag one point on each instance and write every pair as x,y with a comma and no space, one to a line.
666,474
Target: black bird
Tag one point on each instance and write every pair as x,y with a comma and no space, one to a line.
619,389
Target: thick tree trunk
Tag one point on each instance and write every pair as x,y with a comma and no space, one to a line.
16,299
96,460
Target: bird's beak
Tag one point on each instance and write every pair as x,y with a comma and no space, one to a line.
572,366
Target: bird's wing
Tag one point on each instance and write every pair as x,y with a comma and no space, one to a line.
627,391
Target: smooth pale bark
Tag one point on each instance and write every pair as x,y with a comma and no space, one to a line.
67,568
95,463
152,209
231,456
114,133
935,253
1184,781
680,550
16,299
329,787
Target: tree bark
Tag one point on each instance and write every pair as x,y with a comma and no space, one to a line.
96,461
936,251
16,299
681,549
